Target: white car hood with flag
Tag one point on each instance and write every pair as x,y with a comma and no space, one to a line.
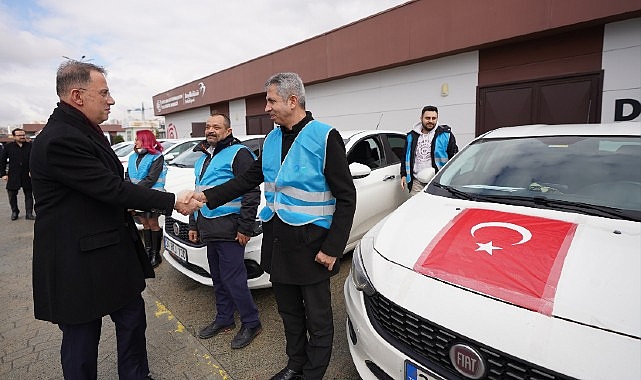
557,264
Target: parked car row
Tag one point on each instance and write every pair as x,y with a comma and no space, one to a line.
374,158
171,148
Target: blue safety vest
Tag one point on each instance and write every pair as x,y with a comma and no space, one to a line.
218,172
296,189
138,173
438,151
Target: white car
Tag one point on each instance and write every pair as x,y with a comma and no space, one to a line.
521,259
374,158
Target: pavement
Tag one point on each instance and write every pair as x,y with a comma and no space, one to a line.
177,307
30,348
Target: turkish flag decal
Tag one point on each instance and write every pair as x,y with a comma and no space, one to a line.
512,257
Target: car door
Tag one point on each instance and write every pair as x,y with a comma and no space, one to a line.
378,193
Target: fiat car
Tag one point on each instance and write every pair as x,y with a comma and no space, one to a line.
521,259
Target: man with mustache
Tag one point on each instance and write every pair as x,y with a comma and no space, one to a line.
426,145
226,230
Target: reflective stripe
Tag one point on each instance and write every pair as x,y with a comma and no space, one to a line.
304,195
269,186
309,210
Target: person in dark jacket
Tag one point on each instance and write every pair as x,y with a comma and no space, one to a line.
147,168
226,230
16,154
426,145
310,204
88,260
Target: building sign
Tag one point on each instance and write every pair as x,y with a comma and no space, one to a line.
185,98
626,109
172,132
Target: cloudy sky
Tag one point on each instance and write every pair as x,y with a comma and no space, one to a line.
148,46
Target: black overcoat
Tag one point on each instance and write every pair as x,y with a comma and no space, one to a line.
87,258
17,158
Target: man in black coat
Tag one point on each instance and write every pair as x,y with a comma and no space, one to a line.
17,154
88,260
311,200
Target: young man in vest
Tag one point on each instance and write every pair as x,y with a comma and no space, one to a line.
226,230
426,145
311,201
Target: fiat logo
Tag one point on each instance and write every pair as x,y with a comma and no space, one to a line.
467,361
176,229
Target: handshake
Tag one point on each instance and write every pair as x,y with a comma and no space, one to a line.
188,201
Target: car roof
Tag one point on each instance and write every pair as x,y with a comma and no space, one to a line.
606,129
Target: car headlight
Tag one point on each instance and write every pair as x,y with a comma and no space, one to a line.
359,274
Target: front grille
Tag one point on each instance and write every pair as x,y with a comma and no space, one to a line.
429,344
183,234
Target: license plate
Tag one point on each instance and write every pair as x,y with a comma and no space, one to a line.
414,372
175,250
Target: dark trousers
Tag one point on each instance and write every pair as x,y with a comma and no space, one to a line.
79,350
229,275
28,200
306,311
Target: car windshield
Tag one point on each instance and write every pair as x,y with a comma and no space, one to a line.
594,175
124,150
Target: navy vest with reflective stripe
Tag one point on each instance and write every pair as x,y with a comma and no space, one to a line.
138,173
296,190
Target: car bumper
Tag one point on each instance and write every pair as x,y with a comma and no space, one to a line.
196,266
373,357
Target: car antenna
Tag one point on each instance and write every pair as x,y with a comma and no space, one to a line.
379,121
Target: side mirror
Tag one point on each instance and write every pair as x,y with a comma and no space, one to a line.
426,175
359,170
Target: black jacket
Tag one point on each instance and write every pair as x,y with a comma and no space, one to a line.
288,252
88,260
18,159
225,227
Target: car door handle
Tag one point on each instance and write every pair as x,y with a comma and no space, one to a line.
389,178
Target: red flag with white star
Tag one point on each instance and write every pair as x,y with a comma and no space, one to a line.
513,257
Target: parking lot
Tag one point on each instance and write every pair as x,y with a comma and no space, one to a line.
176,308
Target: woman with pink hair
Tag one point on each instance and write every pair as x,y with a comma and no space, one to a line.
147,168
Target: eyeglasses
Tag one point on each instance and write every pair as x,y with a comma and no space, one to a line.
20,135
104,93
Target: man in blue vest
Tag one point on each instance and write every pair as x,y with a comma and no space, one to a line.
310,204
426,145
226,230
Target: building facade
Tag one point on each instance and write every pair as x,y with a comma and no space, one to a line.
485,64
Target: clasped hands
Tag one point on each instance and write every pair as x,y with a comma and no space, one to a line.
188,201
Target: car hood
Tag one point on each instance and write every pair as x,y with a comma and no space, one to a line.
577,267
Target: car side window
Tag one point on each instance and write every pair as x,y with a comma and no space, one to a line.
396,144
366,152
255,145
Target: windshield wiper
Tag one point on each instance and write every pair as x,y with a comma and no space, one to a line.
457,193
563,205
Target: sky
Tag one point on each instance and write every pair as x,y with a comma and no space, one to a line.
148,46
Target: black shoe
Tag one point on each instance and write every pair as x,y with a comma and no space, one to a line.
214,329
155,259
30,216
14,215
288,374
245,336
